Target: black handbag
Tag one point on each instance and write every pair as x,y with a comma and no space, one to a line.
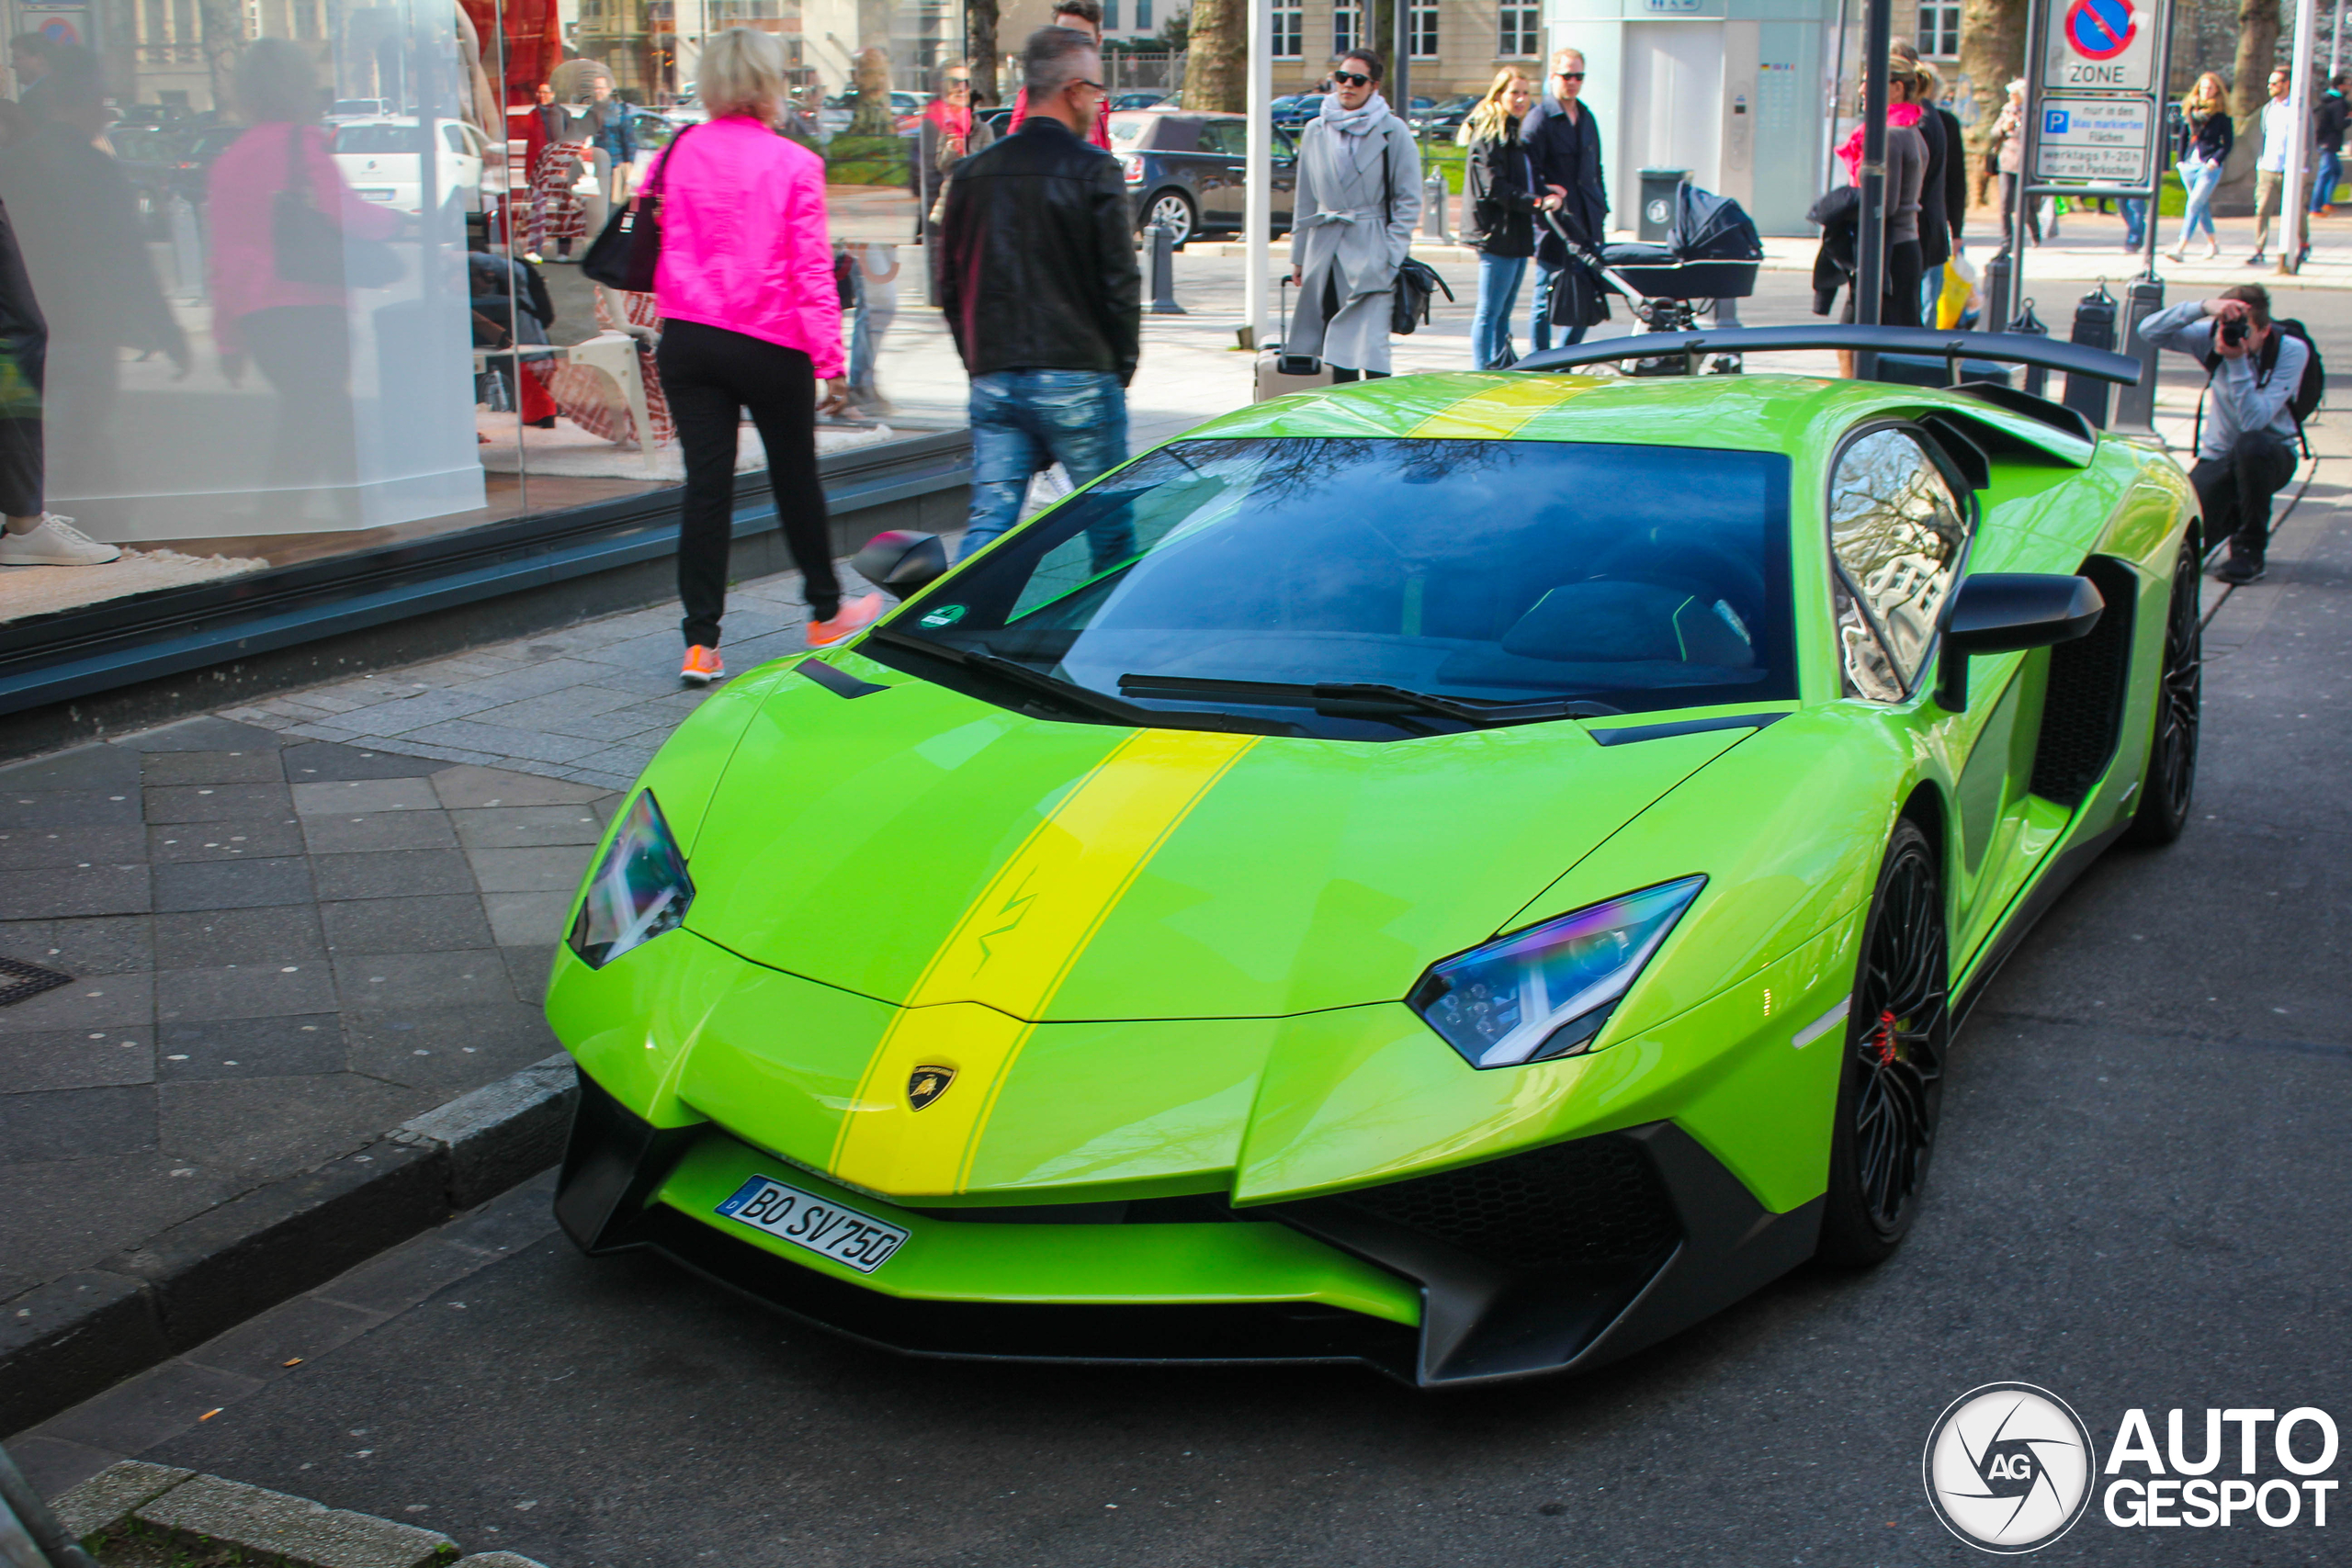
311,247
629,253
1409,301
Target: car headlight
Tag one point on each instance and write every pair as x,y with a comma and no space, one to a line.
640,888
1545,991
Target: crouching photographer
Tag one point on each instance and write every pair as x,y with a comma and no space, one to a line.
2248,425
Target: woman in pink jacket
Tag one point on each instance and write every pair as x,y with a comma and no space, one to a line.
751,319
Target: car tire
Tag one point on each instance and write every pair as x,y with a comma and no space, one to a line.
1897,1038
1175,208
2169,784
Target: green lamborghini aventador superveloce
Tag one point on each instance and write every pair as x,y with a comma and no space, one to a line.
1468,874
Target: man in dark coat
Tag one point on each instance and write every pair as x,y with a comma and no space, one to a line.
1563,140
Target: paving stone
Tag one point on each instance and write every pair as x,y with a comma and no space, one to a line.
527,967
106,769
379,831
46,808
497,1560
76,1058
625,762
208,734
528,826
501,740
295,1045
447,1048
305,1328
617,783
69,1122
216,802
352,797
621,724
415,710
543,712
527,920
91,1003
258,1129
404,1275
402,979
436,923
270,839
292,1531
108,1498
135,1415
233,884
471,788
325,761
259,765
533,680
24,849
213,939
392,874
252,990
554,868
95,944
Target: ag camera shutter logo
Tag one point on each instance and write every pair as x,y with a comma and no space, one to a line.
2008,1467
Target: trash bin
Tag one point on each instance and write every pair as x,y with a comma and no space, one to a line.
1658,189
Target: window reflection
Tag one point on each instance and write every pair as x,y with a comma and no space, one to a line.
1897,534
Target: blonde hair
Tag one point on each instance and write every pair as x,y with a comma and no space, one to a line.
1486,122
741,73
1931,84
2218,98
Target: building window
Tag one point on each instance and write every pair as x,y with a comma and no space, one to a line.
1423,25
1519,35
1940,31
1289,29
1347,26
1143,16
1110,16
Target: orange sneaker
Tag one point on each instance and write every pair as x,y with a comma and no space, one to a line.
853,617
703,666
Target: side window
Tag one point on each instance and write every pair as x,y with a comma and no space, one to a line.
1896,533
1227,137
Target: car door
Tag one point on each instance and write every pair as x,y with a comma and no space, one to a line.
1285,179
1220,168
1900,528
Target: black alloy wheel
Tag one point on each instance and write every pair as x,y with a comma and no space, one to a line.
1890,1090
2170,781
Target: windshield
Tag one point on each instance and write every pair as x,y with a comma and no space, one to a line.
379,138
1632,577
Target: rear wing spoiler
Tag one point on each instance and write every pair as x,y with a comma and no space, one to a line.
2014,348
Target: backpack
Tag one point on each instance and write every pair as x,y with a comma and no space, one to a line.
2306,400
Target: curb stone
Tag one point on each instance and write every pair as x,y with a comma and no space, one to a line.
73,1337
130,1499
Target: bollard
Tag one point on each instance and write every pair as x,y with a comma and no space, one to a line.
2037,379
1433,198
1163,270
2094,328
2135,406
1993,292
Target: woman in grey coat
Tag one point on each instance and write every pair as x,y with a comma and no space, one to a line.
1358,200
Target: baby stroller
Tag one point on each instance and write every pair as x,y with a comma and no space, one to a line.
1711,257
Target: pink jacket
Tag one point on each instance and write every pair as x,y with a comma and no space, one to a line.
743,241
243,190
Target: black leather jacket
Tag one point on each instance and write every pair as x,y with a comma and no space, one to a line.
1037,257
1498,214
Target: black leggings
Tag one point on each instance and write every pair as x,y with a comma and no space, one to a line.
23,344
711,375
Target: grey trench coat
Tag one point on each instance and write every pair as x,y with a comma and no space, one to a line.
1347,234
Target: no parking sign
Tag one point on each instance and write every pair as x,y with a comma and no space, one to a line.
2101,46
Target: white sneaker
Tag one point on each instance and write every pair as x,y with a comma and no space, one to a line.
55,543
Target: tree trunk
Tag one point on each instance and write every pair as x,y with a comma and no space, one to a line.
1217,64
2257,51
1992,56
221,26
979,37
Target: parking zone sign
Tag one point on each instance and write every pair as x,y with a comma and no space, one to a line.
2101,46
2106,141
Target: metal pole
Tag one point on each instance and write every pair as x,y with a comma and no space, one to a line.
2037,46
2294,206
2334,39
1257,180
1869,232
1836,90
1400,62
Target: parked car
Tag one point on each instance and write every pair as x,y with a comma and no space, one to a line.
1186,169
1296,110
380,159
359,109
1141,100
1442,119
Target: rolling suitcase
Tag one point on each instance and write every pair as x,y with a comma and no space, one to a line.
1280,374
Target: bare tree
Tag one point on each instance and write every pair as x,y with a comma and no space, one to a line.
1992,56
979,37
1216,62
2258,51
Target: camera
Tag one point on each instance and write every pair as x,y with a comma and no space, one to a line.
2234,330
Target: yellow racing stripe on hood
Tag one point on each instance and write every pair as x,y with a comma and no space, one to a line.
973,1008
1497,414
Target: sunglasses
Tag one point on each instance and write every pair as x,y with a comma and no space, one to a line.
1569,75
1352,78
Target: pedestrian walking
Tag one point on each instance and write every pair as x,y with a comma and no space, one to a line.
1906,177
559,218
1922,86
2328,138
2279,130
751,318
2207,135
2247,434
606,122
1358,201
1502,197
1078,17
2008,142
1565,142
948,132
30,535
874,287
1038,281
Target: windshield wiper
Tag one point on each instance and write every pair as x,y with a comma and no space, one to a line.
1363,699
1067,695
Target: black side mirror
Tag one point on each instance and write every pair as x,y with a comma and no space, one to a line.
899,561
2002,612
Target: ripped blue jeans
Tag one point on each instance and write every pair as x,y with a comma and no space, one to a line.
1025,421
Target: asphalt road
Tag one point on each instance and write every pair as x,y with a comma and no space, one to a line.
2141,1200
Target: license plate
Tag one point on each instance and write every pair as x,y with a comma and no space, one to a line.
815,1223
369,193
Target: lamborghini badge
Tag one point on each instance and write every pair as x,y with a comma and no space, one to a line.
927,1084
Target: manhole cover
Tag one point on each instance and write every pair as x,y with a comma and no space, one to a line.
19,980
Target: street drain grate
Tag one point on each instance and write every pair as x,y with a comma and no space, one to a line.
19,980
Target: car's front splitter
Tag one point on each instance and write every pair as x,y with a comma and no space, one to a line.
1621,1280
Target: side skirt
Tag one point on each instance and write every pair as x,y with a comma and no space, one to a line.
2031,905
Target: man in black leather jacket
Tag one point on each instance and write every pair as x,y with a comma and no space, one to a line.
1037,274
